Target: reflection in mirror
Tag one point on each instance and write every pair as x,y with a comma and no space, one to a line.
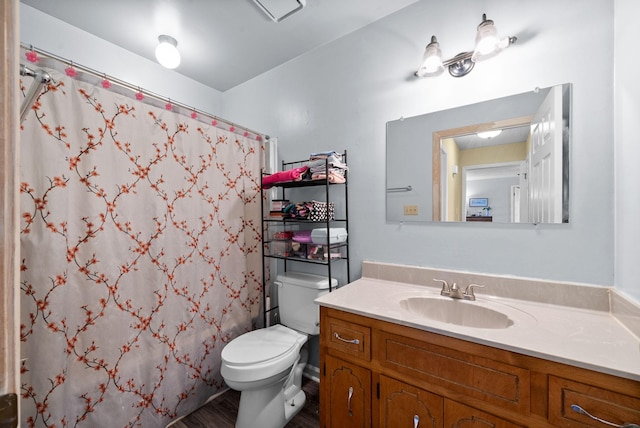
518,175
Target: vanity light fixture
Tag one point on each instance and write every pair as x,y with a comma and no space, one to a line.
488,43
167,52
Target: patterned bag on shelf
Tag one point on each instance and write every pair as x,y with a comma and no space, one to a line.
320,211
300,210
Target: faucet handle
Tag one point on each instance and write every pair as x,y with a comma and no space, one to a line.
445,287
468,292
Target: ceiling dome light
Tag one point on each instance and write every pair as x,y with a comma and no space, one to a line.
167,51
489,134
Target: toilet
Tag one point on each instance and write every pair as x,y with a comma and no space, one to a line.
266,365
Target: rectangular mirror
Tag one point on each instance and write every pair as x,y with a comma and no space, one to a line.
500,161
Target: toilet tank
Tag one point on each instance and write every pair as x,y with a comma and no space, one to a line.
296,294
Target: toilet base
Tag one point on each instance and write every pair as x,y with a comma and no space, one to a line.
293,405
264,405
275,405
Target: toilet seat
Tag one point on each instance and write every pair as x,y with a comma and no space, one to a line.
261,353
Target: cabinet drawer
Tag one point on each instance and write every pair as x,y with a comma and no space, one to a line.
605,404
459,415
453,371
348,338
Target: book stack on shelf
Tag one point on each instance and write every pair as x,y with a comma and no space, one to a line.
277,208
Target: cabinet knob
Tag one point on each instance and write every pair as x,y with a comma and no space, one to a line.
349,400
416,421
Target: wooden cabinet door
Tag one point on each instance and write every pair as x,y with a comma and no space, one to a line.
405,406
457,415
347,395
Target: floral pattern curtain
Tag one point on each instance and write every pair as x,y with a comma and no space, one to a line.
141,257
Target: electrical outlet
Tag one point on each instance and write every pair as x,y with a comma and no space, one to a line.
410,210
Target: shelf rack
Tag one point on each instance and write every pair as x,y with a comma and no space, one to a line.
296,222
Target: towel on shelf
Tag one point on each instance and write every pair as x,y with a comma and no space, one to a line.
332,177
318,165
294,174
324,155
327,166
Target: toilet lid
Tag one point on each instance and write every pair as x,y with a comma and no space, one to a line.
262,345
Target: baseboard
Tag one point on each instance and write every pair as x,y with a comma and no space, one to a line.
311,372
210,399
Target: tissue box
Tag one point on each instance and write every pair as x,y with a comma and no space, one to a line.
336,235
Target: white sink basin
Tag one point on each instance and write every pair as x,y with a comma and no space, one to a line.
458,312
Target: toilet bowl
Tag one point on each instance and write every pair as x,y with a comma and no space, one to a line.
266,365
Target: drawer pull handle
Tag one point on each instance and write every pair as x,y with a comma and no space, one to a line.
352,341
582,411
416,421
349,400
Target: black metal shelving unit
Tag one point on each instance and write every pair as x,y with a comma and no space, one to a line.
291,223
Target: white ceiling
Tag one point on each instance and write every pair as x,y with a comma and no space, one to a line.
223,43
491,172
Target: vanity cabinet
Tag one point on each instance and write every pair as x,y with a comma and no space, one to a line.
601,402
458,415
403,405
347,394
346,391
440,381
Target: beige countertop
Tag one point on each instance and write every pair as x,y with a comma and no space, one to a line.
591,339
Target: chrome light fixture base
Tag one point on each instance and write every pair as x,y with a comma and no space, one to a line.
460,65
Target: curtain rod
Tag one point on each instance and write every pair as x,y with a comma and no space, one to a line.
137,89
40,78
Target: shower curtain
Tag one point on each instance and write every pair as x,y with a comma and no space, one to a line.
140,257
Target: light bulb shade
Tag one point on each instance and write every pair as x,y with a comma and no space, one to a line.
486,38
432,59
167,52
488,43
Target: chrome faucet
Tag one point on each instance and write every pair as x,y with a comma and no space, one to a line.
456,292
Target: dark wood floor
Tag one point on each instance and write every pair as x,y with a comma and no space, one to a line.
222,412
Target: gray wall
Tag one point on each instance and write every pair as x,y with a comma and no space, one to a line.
627,143
341,95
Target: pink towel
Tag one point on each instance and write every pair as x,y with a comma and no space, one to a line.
294,174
